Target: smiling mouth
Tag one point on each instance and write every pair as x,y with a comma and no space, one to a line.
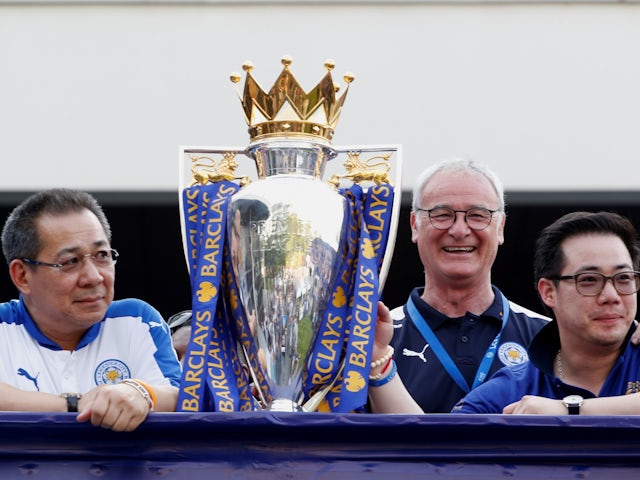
459,249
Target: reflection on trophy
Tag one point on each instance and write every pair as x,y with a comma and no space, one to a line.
293,293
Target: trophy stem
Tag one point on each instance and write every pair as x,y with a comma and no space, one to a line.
287,157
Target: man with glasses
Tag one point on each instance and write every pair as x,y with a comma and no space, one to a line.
458,329
583,362
65,344
586,270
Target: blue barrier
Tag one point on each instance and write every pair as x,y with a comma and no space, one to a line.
268,445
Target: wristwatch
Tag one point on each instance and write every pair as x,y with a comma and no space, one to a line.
573,404
72,401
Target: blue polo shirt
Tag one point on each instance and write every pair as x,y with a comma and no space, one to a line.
537,377
466,340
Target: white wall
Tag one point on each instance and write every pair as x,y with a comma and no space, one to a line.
101,96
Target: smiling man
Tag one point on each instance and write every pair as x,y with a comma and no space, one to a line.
458,329
583,362
65,344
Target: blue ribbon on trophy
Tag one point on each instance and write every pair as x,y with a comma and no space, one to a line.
349,320
192,395
376,216
286,270
243,339
213,377
206,357
326,360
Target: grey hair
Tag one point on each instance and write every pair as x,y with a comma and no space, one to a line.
459,165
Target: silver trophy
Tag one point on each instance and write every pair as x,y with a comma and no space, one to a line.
286,226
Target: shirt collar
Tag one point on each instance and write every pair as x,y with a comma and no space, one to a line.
435,319
546,343
43,340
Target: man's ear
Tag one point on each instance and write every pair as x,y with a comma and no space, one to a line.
547,292
503,221
20,275
413,220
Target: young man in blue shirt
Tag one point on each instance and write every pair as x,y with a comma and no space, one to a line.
586,266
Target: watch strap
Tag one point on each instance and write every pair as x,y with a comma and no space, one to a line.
72,401
573,404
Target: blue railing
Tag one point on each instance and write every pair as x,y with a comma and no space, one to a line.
269,445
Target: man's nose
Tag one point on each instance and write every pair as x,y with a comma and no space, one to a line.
459,221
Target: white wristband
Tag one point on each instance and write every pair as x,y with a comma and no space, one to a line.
141,390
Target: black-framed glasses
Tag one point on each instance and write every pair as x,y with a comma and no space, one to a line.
101,259
591,284
443,218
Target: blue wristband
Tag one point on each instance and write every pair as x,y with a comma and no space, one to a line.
384,380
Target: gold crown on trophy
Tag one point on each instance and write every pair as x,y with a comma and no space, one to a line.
287,110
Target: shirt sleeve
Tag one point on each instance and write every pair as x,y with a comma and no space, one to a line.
155,359
506,386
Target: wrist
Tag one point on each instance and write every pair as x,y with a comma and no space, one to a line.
380,366
384,378
573,404
72,401
145,391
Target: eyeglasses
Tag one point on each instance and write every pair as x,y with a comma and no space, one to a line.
591,284
443,218
179,319
101,259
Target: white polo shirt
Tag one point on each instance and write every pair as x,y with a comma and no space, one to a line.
132,341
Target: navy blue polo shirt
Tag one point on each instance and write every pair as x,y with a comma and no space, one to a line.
466,340
538,378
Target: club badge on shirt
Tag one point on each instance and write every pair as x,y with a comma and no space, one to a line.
512,353
111,371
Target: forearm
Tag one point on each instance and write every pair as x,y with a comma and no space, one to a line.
15,399
619,405
166,398
392,397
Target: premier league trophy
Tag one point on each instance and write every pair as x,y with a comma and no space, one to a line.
286,269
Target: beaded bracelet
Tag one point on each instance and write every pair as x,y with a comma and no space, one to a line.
384,380
384,359
381,372
141,390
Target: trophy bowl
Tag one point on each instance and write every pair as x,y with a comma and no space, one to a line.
285,232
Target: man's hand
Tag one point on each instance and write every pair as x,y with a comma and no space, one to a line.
531,404
384,331
117,407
